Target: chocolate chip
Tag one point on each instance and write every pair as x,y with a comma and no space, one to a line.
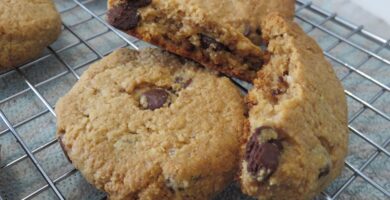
138,3
179,79
123,17
276,92
254,64
206,42
324,171
258,31
154,98
187,83
282,82
246,111
182,82
62,145
277,143
281,79
262,158
171,189
188,46
170,185
247,30
181,59
173,186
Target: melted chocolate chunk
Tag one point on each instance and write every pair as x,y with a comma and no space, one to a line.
262,158
154,98
206,42
123,17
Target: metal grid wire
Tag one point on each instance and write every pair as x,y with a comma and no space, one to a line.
360,58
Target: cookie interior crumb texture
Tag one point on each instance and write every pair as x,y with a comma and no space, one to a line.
151,125
26,28
222,35
298,134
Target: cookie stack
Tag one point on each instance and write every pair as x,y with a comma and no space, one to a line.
154,125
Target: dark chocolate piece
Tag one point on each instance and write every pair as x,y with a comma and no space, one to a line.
207,42
123,17
262,158
154,98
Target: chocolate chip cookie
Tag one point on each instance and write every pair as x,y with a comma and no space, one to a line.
26,28
298,133
214,33
151,125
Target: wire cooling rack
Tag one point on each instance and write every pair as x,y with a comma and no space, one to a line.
33,166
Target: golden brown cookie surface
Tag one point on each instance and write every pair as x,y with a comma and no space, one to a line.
148,125
298,134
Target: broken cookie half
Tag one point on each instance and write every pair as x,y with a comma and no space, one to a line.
297,122
218,39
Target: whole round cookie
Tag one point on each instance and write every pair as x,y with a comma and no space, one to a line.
26,28
298,135
151,125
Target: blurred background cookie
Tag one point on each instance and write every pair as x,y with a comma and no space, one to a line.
26,28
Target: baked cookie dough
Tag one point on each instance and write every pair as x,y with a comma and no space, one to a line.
26,28
298,133
151,125
214,33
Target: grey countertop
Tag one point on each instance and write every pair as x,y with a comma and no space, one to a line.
374,15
